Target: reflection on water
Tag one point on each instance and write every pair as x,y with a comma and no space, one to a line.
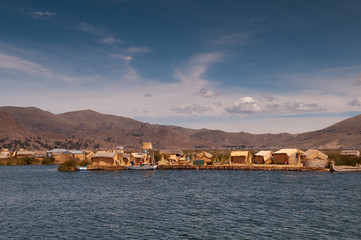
40,202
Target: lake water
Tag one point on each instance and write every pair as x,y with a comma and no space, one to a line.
38,202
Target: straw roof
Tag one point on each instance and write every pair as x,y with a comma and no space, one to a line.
24,153
104,155
171,152
239,153
57,150
289,152
314,154
137,155
173,157
40,155
147,146
264,154
4,155
205,154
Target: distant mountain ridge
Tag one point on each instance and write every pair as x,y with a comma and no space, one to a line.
33,128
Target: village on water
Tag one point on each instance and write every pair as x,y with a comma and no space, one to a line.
118,159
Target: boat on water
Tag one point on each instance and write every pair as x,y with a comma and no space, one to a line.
334,168
79,168
146,167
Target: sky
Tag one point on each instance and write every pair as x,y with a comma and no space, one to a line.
255,66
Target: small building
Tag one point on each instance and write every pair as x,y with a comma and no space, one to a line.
89,155
241,157
350,153
5,154
105,159
76,155
287,156
163,162
24,153
136,158
59,155
207,157
171,156
315,158
263,157
147,146
173,159
40,155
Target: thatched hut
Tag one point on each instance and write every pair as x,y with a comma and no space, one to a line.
105,159
147,146
5,154
287,156
89,156
136,158
241,157
40,155
207,157
163,162
263,157
24,153
76,154
173,159
172,156
315,158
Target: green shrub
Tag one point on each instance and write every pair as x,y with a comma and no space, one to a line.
68,166
84,163
48,161
344,160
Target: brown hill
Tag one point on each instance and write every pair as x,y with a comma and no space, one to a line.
88,129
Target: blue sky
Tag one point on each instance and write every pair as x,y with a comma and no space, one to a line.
252,66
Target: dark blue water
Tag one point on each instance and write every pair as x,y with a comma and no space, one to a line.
38,202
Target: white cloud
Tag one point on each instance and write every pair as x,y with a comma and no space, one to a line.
245,105
192,109
267,98
207,93
232,39
358,81
121,56
192,73
90,28
111,41
259,18
39,13
356,102
137,50
17,64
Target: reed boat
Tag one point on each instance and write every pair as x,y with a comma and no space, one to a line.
334,168
146,167
79,168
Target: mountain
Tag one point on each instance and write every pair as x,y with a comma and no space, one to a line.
34,128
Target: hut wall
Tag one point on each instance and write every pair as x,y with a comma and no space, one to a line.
316,163
206,160
280,158
292,159
259,159
137,160
238,159
62,158
79,156
103,161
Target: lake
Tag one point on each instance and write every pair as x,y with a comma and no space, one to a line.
38,202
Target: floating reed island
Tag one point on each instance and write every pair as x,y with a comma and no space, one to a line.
282,160
117,159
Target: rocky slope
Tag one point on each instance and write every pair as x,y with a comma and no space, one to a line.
34,128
